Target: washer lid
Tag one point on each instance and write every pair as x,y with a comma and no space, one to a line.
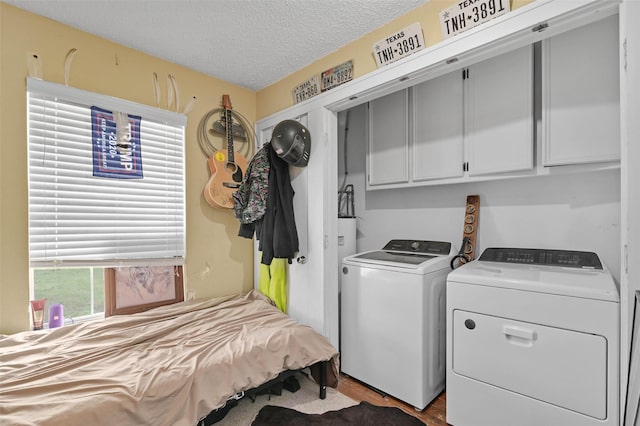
393,257
560,280
410,255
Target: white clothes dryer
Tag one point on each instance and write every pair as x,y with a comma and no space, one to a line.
393,318
532,339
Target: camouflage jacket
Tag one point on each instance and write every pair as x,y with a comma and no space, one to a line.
250,200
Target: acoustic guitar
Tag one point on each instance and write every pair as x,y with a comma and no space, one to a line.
227,167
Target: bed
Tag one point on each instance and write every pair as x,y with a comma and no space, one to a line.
172,365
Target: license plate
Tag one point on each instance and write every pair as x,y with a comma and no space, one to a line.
336,76
306,90
467,14
399,45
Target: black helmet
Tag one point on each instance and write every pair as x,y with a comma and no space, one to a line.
291,141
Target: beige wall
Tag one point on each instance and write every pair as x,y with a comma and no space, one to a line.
278,96
218,262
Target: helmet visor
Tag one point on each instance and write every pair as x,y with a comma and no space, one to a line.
295,151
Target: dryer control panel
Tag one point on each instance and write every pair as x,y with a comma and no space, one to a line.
564,258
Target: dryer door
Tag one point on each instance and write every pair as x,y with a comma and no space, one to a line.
558,366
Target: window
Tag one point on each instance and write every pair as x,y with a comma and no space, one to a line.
106,189
79,290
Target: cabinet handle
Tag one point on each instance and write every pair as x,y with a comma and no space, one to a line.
540,28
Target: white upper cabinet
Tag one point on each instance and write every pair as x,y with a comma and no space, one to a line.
499,114
387,159
581,95
484,122
438,137
476,121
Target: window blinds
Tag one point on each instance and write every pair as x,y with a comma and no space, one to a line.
77,218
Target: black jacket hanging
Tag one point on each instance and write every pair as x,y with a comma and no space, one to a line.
278,234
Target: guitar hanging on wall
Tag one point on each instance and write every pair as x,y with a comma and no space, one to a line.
227,167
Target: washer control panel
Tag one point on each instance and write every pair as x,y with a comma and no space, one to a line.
565,258
418,246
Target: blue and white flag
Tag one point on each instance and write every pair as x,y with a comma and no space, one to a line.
116,144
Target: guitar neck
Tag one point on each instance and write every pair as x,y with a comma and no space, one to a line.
229,124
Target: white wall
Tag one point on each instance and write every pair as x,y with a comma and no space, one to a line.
574,212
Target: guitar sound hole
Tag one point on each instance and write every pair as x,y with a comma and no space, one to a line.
231,168
234,171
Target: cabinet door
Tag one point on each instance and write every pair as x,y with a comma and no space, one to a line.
499,113
438,128
581,95
387,160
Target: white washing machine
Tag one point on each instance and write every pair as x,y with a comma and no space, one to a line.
532,339
393,318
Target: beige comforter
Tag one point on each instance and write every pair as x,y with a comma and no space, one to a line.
168,366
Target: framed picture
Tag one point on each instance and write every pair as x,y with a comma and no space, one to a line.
133,289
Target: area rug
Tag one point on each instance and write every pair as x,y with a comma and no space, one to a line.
361,414
304,400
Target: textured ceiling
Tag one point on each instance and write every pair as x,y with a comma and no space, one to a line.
251,43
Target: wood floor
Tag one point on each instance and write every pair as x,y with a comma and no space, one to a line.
433,415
